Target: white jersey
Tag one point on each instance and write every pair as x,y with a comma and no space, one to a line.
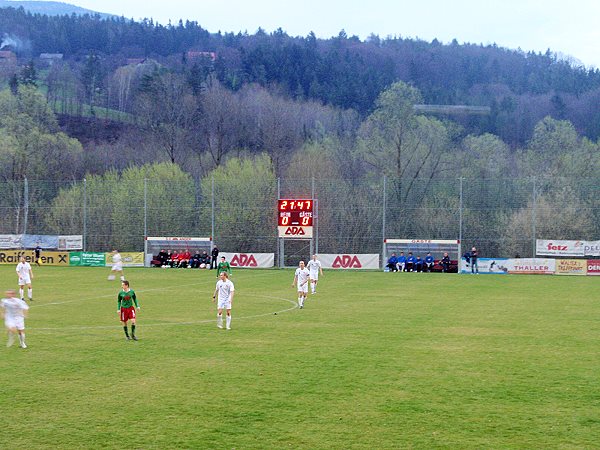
225,289
117,262
314,267
14,312
302,276
24,270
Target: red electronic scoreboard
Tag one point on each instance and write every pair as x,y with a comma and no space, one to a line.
295,218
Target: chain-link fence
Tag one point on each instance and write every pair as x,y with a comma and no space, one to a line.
501,217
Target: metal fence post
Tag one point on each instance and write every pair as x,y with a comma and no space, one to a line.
533,217
84,213
460,219
145,209
212,210
25,204
384,200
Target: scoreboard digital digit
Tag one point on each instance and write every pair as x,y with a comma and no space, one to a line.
295,218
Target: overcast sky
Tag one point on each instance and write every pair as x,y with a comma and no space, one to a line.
569,28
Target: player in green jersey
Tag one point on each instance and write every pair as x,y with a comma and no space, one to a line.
223,267
125,302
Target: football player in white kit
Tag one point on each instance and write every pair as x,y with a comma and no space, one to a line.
25,276
314,268
117,266
301,278
14,310
225,290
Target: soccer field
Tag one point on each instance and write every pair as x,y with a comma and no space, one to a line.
375,360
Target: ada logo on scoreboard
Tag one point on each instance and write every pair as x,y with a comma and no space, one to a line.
297,232
243,260
346,262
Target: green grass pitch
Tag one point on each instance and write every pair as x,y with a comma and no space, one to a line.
375,360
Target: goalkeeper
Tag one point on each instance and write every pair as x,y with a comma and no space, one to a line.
223,266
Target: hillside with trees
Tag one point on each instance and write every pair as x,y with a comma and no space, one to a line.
110,98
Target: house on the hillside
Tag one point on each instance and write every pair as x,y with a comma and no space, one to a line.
50,58
193,56
7,57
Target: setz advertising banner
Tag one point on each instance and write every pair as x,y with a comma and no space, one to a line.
249,260
349,261
567,248
486,265
571,267
545,247
593,267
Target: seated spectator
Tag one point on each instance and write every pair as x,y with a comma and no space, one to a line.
195,261
184,259
429,261
445,262
174,259
204,261
419,265
410,263
162,257
401,262
392,261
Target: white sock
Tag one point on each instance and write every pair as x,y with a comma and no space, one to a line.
111,277
300,301
21,293
22,338
228,321
122,277
30,293
219,320
11,339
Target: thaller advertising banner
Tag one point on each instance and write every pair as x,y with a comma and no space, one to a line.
349,261
496,266
129,259
593,267
536,266
571,267
249,260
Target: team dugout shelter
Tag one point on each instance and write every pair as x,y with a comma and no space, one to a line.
420,247
153,245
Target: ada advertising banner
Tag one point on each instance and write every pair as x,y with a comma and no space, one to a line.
537,266
486,265
559,248
349,261
249,260
571,267
593,267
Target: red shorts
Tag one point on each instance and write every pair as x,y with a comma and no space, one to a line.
127,314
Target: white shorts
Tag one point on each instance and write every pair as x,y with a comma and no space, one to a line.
314,276
24,281
224,304
303,288
117,267
14,322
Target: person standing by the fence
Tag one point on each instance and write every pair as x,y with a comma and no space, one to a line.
474,256
215,255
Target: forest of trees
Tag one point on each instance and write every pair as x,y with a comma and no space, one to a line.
142,100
